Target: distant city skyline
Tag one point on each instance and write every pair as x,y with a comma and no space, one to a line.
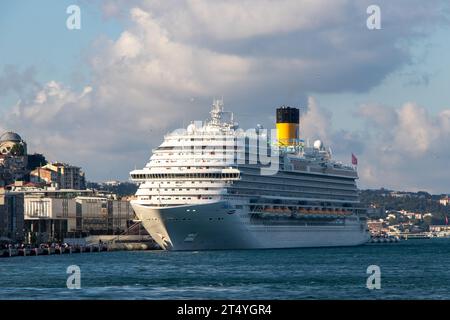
101,97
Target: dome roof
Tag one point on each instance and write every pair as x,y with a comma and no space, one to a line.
10,136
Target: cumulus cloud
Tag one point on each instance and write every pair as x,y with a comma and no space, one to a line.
174,56
403,147
316,122
287,47
19,82
409,150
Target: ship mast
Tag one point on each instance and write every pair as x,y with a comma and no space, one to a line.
217,113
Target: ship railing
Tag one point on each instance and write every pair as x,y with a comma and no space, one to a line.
300,211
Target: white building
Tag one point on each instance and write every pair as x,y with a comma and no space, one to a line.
100,215
50,208
55,214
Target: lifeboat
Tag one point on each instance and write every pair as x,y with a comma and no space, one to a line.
322,212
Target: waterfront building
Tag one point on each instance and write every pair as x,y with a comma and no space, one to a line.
102,215
35,214
47,218
44,176
61,175
12,144
13,157
444,201
375,226
11,215
112,183
439,228
15,162
3,174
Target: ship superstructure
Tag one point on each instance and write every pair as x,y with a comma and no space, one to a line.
215,186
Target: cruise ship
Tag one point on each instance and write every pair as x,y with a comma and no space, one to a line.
213,185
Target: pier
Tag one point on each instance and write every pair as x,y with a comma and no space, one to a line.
84,245
383,239
45,251
421,235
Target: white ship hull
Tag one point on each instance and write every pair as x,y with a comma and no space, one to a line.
214,226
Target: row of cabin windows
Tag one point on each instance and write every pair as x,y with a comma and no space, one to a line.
222,138
224,154
199,160
186,176
176,198
187,189
223,147
181,182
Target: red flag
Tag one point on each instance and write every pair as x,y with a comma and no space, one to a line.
354,160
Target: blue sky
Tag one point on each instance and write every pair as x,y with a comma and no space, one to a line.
34,34
139,68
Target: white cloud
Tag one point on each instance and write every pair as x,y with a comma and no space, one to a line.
403,148
237,19
316,122
53,100
415,131
409,150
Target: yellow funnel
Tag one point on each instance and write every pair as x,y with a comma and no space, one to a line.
288,126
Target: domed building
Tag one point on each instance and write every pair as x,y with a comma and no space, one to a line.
12,144
13,157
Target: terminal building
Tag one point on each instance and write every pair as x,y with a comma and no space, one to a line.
53,216
50,215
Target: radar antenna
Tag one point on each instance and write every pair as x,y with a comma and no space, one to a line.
217,112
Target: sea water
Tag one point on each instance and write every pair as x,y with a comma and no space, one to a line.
411,269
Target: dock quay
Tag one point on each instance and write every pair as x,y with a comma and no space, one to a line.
383,239
13,252
422,235
84,245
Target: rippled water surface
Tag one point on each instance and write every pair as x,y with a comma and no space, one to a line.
413,269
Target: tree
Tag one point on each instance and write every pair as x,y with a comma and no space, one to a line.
17,150
36,160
